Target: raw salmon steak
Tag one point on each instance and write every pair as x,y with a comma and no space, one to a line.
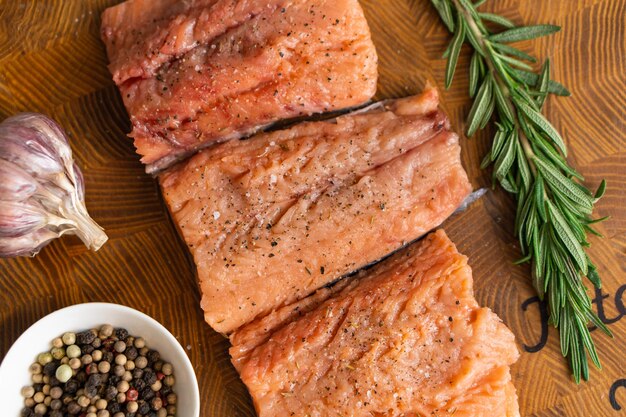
271,219
404,339
196,72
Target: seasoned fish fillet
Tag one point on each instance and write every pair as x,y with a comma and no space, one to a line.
271,219
192,73
406,338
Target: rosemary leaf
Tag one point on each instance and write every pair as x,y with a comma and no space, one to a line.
524,33
494,18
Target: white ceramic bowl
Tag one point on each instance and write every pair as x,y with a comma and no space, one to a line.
14,369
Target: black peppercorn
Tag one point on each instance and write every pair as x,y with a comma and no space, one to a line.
87,349
149,376
110,392
147,394
81,376
131,353
144,407
121,333
114,407
137,373
54,382
153,356
113,380
56,413
139,384
27,412
50,368
107,356
92,385
85,338
38,387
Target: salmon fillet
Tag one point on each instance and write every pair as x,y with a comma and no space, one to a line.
406,338
192,73
271,219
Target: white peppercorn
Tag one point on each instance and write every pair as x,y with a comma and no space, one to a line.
74,363
41,409
57,343
96,355
167,369
141,362
106,331
28,392
123,386
132,406
104,367
38,397
121,359
56,392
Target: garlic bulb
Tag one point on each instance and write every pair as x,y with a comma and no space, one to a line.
41,188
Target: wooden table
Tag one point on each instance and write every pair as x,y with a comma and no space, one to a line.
52,61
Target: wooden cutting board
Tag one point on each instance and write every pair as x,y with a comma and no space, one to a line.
52,61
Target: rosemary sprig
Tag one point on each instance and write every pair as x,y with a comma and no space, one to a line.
529,160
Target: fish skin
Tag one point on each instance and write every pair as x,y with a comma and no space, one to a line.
194,73
271,219
405,338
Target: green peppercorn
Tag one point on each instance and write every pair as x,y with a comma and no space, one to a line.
44,358
63,373
57,353
73,351
69,338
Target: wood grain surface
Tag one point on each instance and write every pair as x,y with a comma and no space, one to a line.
52,61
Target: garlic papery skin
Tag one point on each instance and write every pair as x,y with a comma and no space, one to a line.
41,188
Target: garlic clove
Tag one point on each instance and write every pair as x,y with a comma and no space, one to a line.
18,218
16,184
18,145
26,245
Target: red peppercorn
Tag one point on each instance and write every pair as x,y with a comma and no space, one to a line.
160,375
132,395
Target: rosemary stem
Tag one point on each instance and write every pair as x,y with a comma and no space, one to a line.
489,52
